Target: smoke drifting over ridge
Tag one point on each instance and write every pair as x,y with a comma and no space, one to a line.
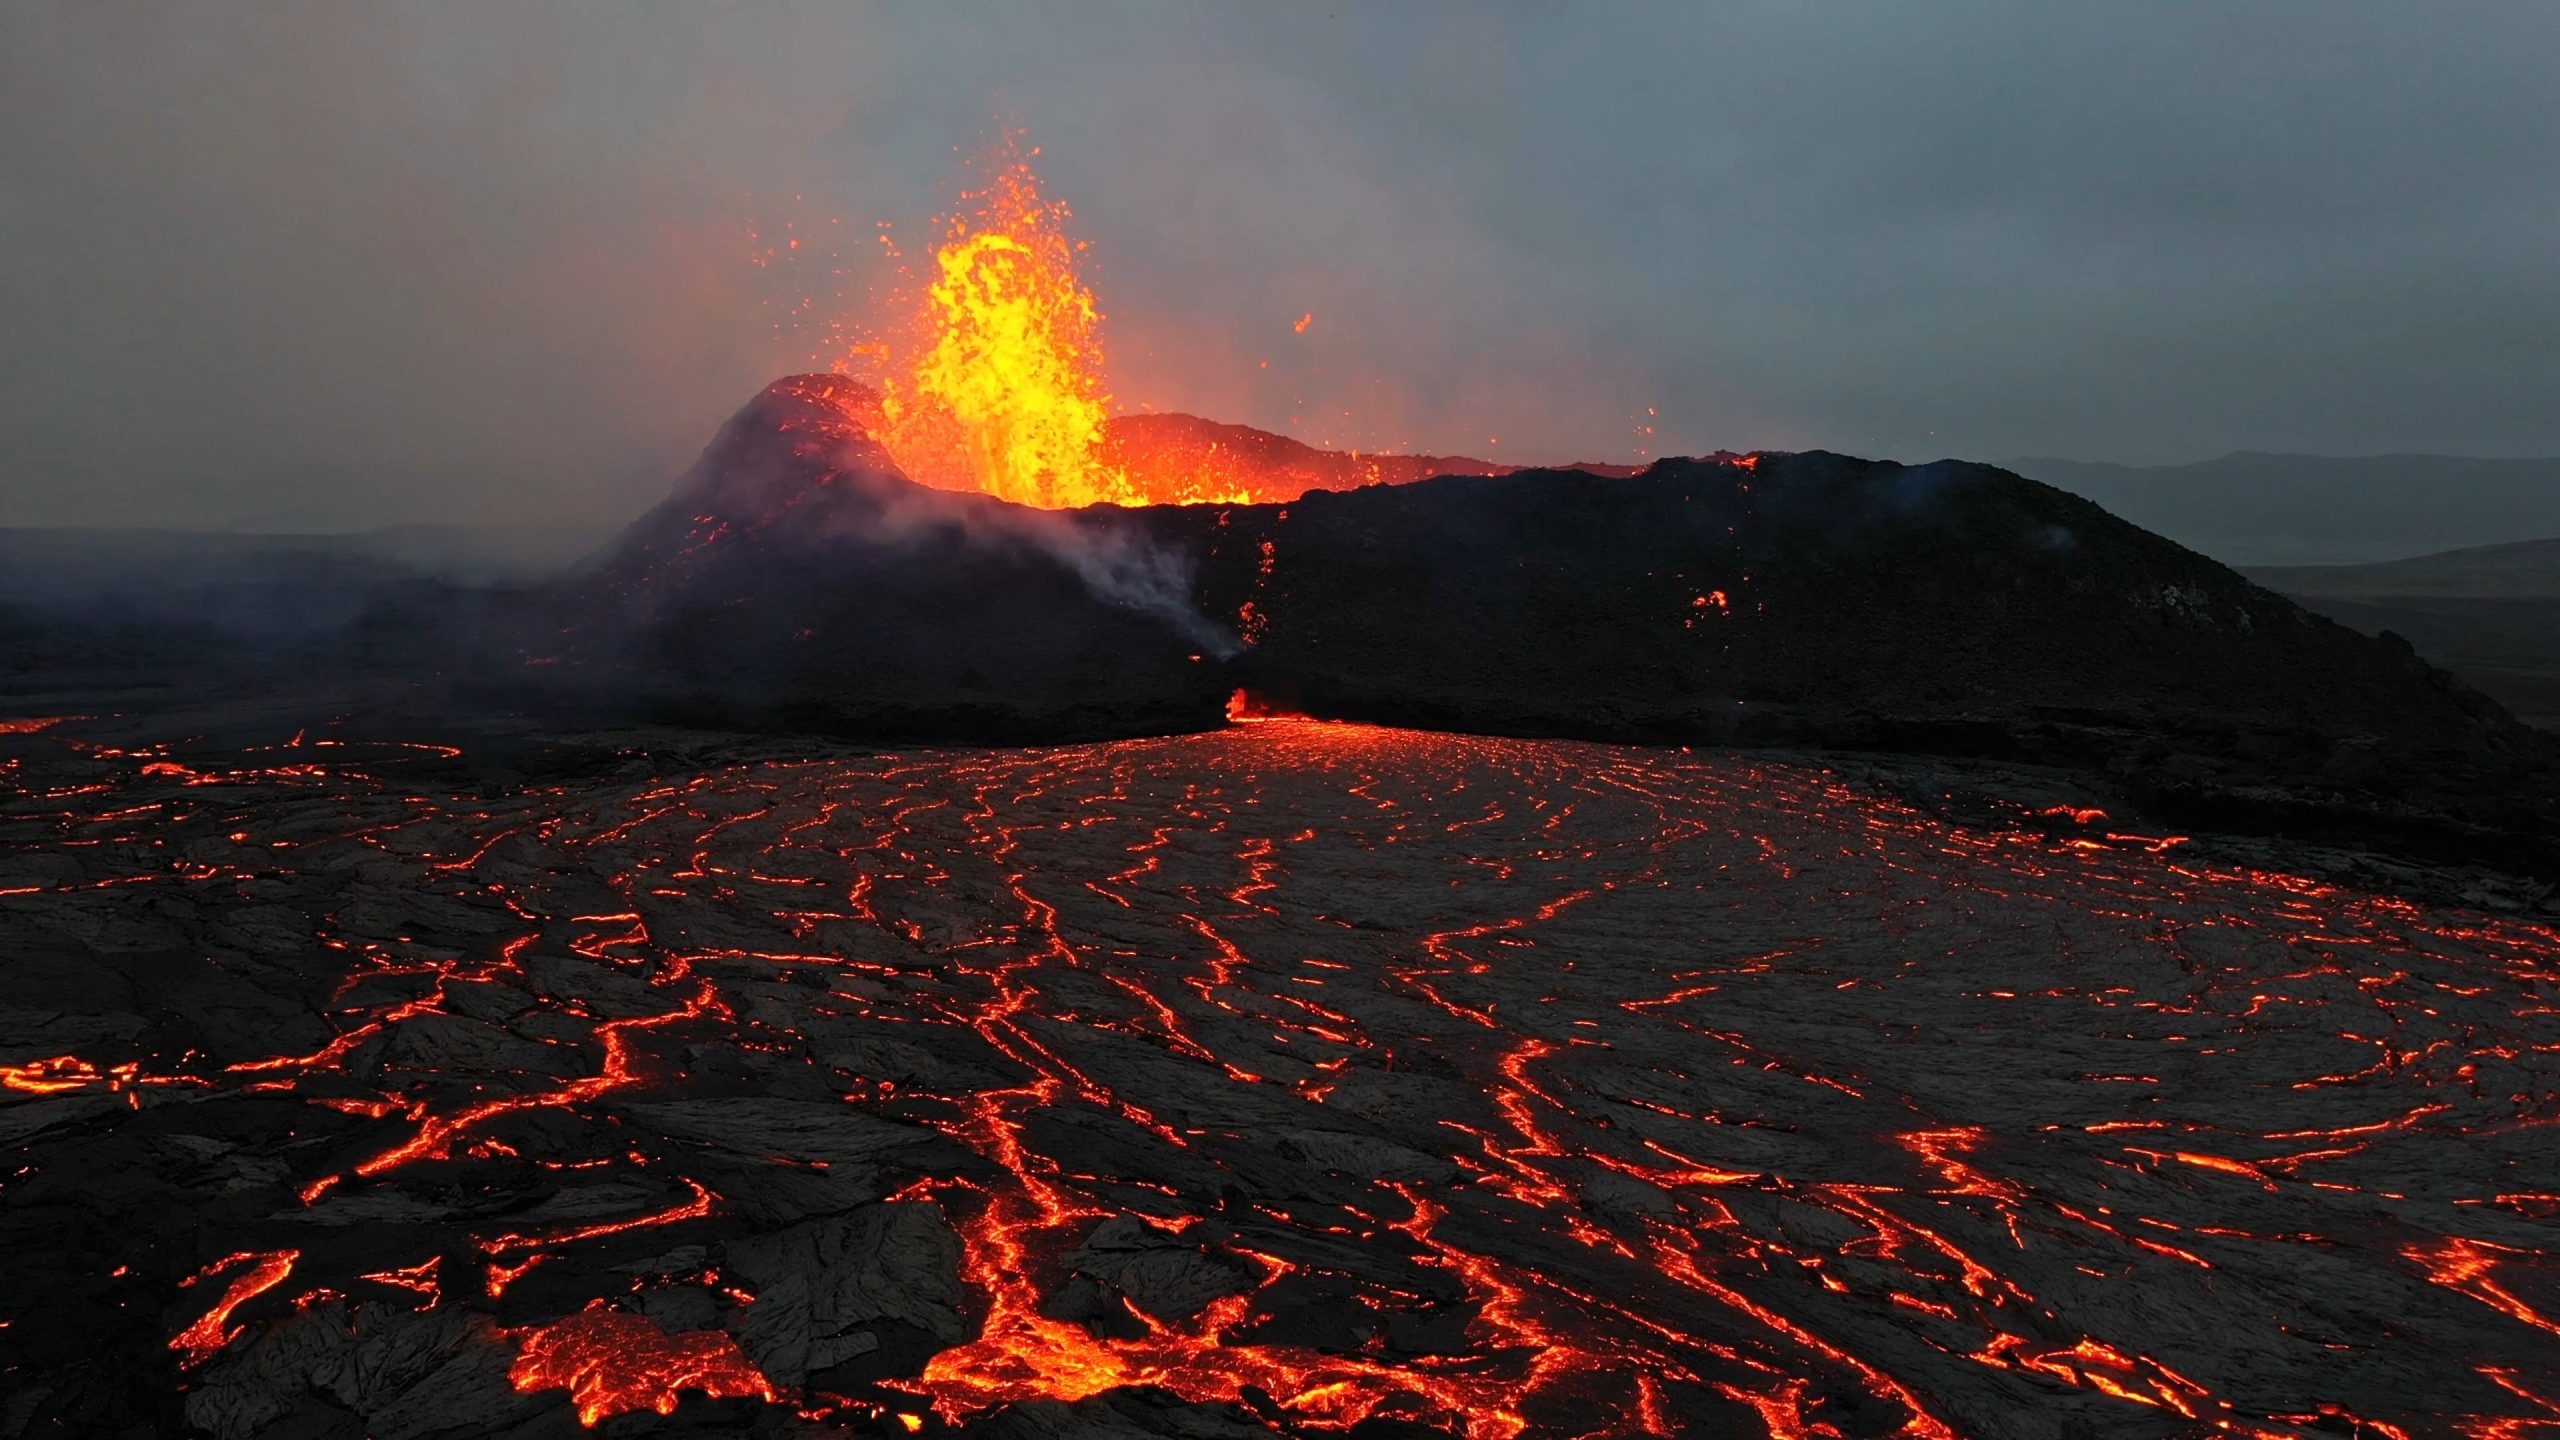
318,267
1119,564
830,483
1130,569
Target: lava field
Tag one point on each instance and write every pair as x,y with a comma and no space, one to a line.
1290,1078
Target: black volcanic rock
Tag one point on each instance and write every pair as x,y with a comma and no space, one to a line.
1689,601
796,579
1815,598
1292,1079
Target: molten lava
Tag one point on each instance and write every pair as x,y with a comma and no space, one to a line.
1245,707
1001,389
1351,1076
995,382
205,1338
611,1362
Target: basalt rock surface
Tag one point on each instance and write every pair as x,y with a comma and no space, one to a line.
797,580
1949,609
1297,1079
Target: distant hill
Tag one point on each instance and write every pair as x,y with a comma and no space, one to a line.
84,599
2253,509
2489,613
2524,570
78,562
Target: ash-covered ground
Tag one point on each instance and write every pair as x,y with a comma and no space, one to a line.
1291,1078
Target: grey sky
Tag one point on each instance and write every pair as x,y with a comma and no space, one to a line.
336,264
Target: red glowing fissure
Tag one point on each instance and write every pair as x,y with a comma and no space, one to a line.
1237,856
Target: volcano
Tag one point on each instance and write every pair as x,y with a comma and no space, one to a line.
1714,950
797,580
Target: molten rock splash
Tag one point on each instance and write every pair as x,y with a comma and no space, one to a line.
994,383
612,1362
1001,391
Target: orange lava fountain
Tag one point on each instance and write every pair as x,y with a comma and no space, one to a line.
994,381
1245,707
1000,385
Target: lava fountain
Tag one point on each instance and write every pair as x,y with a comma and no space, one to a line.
998,384
994,380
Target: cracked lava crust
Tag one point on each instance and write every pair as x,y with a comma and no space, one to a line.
1297,1077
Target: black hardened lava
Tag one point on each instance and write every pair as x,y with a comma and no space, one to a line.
796,581
622,1003
1296,1079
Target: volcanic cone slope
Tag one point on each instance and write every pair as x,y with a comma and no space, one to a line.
797,578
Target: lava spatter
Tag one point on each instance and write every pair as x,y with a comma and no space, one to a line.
993,378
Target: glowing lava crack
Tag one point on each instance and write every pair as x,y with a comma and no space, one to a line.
1293,1076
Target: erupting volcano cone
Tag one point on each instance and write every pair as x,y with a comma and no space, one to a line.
798,578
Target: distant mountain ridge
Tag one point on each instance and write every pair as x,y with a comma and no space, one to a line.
2523,570
2488,612
2254,509
66,560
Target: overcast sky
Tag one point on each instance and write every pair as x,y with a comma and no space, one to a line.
336,264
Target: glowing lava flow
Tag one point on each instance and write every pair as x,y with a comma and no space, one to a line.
1337,1074
612,1363
1246,708
213,1329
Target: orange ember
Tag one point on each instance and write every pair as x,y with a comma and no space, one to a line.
612,1362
